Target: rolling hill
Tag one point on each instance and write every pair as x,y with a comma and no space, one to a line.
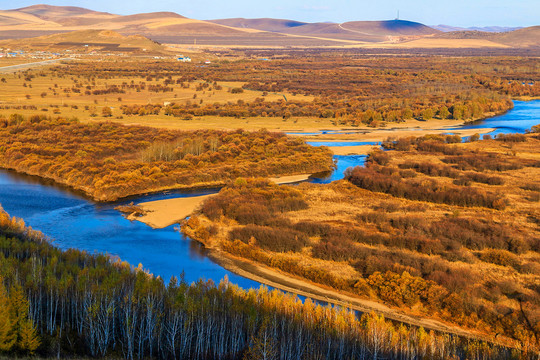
526,37
448,28
264,24
105,40
389,28
170,27
67,18
521,38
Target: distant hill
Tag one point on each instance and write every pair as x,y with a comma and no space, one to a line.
67,18
465,34
389,28
264,24
448,28
170,27
526,37
53,13
364,31
106,40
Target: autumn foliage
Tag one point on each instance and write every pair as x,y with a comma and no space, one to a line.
83,304
108,161
411,229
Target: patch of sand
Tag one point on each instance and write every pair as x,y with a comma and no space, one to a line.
352,150
290,179
162,213
380,135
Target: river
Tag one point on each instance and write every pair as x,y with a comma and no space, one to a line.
76,222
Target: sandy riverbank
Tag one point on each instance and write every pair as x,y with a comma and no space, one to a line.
378,136
352,150
290,179
292,284
162,213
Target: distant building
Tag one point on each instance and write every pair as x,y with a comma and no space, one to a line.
207,62
184,59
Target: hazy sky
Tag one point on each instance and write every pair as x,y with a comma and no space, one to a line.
430,12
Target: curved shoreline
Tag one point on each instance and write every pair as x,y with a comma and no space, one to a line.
303,287
289,283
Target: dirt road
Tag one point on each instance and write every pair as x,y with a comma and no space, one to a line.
31,65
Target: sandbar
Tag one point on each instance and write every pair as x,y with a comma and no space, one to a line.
162,213
291,179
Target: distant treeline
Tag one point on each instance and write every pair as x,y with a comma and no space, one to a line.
348,89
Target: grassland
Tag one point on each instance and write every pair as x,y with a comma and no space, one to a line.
431,93
444,232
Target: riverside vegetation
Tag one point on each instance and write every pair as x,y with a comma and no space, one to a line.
108,161
425,229
71,303
436,228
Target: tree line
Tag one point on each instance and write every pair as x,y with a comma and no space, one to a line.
78,304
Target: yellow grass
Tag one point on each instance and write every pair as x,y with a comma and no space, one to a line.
427,43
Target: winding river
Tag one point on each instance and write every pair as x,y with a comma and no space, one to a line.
76,222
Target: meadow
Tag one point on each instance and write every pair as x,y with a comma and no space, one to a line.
285,93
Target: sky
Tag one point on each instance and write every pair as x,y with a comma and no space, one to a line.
463,13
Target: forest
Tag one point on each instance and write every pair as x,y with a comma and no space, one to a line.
71,303
108,161
453,240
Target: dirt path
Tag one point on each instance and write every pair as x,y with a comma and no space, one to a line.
31,65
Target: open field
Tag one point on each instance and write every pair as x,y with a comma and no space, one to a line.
10,61
255,94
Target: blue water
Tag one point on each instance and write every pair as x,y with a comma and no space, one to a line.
522,117
75,222
343,162
342,143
